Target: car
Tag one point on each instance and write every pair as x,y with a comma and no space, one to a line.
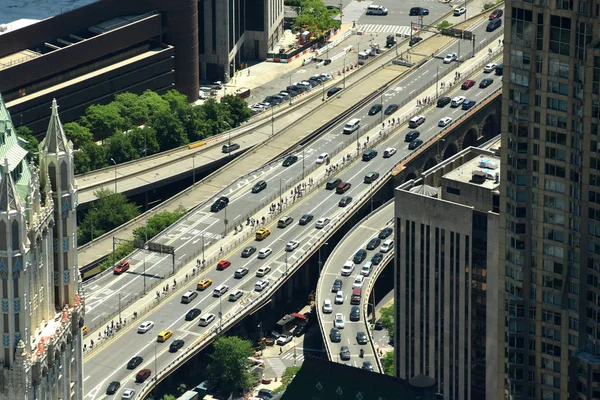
321,222
261,285
299,330
145,326
371,177
142,375
122,267
218,205
285,95
265,394
387,246
375,109
339,321
355,313
264,252
292,245
259,186
468,104
236,295
326,76
284,339
344,201
192,314
458,11
262,271
113,387
318,78
134,362
416,121
376,10
176,345
377,258
457,101
367,365
289,160
388,152
344,353
327,307
203,284
323,157
335,335
163,336
450,57
336,286
241,272
378,325
339,297
359,256
223,264
361,337
365,270
128,394
274,334
444,122
385,233
485,83
373,243
414,144
418,11
443,101
206,319
469,83
392,108
262,233
248,251
497,13
348,268
358,281
491,67
305,219
188,297
333,91
284,221
411,135
369,155
414,40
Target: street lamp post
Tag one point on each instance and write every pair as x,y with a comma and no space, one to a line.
115,163
323,91
344,73
280,194
320,263
437,70
120,308
272,122
202,247
144,276
303,162
382,91
194,169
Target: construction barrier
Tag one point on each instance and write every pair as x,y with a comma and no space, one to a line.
196,145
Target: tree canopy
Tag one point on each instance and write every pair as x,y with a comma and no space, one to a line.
388,363
30,143
229,364
387,319
158,223
314,17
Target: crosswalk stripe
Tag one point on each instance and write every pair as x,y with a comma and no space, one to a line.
404,30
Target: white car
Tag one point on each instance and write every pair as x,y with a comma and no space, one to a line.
450,57
457,101
262,271
323,157
260,285
359,280
459,11
348,268
491,67
284,339
387,246
327,307
339,297
326,76
128,394
264,252
145,326
292,245
444,122
366,269
321,222
390,151
339,321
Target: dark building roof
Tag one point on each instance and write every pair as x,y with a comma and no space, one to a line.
320,379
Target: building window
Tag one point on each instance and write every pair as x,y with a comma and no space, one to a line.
522,27
560,35
558,68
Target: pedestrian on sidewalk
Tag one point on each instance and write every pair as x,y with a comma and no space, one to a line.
248,71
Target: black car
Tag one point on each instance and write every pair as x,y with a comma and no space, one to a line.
134,362
360,256
418,11
411,135
344,353
192,314
176,345
485,83
468,104
377,258
443,101
305,219
265,394
355,314
299,330
219,204
113,387
344,201
414,144
274,100
248,251
333,91
369,155
378,325
292,91
371,177
414,40
385,233
314,82
361,338
391,109
373,243
259,186
335,335
337,285
289,160
367,366
375,109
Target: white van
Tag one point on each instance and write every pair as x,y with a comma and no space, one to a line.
376,10
220,290
235,295
206,319
387,246
188,296
351,126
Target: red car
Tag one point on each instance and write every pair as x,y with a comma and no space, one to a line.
122,267
468,84
141,376
496,14
223,264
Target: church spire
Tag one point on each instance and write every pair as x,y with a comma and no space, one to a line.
9,200
55,141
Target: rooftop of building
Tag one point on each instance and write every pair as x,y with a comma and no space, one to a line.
11,10
483,171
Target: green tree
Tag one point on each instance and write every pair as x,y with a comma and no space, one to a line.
314,17
154,103
120,148
29,143
443,25
387,319
83,162
388,363
169,397
179,106
78,134
182,388
132,108
215,116
144,138
286,378
237,109
229,363
170,132
158,223
97,156
103,120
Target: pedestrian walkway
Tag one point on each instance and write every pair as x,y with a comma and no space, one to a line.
402,30
276,365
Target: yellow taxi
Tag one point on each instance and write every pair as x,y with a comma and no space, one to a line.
262,233
84,330
164,335
204,283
